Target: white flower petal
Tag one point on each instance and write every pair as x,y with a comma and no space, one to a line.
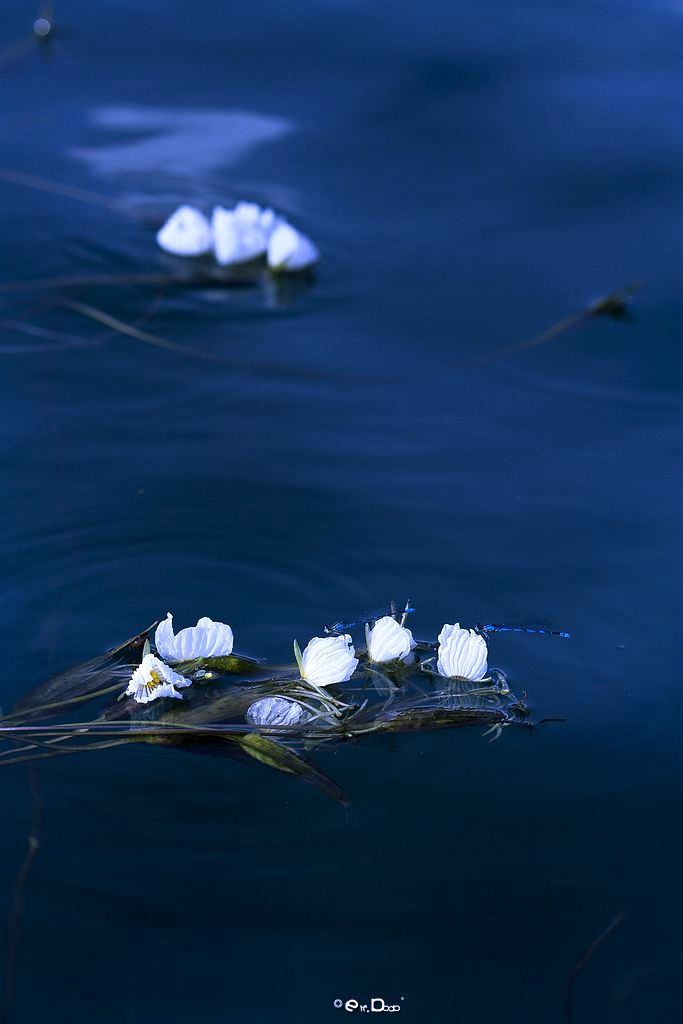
247,214
164,638
275,711
289,250
269,220
152,679
208,639
187,232
329,660
226,237
238,236
462,653
389,640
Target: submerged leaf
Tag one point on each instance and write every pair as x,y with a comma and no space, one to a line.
268,752
207,704
231,664
283,759
435,718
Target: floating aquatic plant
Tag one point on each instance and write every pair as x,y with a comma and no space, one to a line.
190,691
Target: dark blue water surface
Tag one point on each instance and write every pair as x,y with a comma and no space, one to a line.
473,171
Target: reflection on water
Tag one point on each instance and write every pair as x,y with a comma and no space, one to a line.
176,141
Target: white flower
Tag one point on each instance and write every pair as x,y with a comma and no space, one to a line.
153,679
289,250
329,659
251,215
388,640
187,232
208,639
462,653
242,234
275,711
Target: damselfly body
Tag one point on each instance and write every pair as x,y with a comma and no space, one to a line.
541,628
370,616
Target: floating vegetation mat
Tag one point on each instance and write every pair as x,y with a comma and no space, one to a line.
191,692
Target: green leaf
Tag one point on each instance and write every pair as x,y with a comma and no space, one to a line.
231,664
299,659
412,720
283,759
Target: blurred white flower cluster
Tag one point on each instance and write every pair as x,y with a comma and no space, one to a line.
246,233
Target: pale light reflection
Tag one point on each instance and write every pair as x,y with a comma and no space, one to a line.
177,141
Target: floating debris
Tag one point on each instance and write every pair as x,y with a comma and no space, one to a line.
616,305
42,30
42,27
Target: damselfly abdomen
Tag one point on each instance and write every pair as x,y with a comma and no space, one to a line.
370,616
542,628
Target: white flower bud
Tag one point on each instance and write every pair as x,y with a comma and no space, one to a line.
329,660
462,653
388,640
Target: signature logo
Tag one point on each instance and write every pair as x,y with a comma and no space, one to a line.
376,1005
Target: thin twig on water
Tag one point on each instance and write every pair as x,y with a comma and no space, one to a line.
614,304
133,332
56,188
16,911
122,327
143,280
584,960
57,339
38,284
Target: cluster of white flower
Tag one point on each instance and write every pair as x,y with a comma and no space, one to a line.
153,678
326,660
248,232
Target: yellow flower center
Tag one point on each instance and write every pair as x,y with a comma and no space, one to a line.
155,680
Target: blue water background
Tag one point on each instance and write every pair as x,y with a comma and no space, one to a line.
473,172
